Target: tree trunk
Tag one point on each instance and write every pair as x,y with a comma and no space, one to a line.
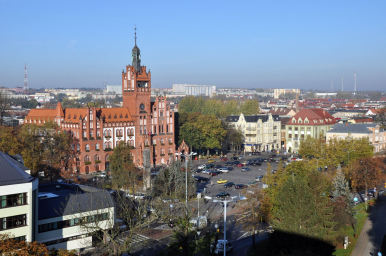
207,153
253,237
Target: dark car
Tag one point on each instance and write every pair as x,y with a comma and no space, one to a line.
228,185
230,169
245,169
257,163
200,179
234,158
208,166
239,186
197,170
235,163
218,166
371,192
228,163
222,195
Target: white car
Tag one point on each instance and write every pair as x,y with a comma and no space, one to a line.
103,174
223,169
206,171
201,167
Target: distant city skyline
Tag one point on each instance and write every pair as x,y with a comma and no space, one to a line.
280,44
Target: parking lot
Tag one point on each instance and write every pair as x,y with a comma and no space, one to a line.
236,176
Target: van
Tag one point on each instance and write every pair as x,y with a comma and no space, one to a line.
220,246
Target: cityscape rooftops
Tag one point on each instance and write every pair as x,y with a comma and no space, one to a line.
12,171
352,128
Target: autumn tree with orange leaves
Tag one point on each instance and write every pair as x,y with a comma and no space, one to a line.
10,246
368,172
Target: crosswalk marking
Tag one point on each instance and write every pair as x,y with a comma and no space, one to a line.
136,238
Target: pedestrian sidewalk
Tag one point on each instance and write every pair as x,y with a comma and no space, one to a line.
371,236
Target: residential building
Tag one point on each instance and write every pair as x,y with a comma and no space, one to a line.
261,132
283,122
140,122
278,92
63,211
307,122
376,135
114,89
18,199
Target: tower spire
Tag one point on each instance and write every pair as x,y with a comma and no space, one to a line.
135,35
25,78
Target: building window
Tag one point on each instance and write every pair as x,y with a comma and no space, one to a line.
87,159
87,147
96,157
13,200
97,146
154,142
84,135
162,141
78,147
91,135
13,222
98,134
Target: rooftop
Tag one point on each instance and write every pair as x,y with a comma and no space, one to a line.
12,171
60,199
352,128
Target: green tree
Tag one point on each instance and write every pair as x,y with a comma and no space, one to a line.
32,148
231,108
191,134
8,141
213,107
250,107
123,171
212,132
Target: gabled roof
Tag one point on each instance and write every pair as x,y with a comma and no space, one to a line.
115,115
12,171
313,114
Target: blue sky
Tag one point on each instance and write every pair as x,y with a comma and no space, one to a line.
245,44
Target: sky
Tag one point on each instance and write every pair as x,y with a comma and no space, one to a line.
239,44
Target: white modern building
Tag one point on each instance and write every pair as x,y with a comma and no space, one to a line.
278,92
114,89
194,90
18,199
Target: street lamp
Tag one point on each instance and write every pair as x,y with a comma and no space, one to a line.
225,202
186,176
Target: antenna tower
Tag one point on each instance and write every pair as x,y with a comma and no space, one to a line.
25,78
355,81
342,83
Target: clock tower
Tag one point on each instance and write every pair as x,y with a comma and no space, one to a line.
136,92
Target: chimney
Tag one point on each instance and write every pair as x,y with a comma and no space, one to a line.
297,102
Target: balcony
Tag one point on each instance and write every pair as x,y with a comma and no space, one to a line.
250,128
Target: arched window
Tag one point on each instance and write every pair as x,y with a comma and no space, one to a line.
117,143
128,132
87,147
108,133
162,151
107,158
131,143
109,144
154,142
96,157
104,145
169,150
87,159
97,146
170,140
162,141
146,142
132,131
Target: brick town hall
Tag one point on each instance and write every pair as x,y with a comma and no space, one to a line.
140,123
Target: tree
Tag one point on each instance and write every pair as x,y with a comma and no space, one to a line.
381,117
32,147
213,107
4,104
252,213
10,246
231,108
303,208
250,107
8,141
368,172
123,171
342,199
212,132
190,133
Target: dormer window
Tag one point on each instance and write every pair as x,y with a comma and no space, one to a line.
294,121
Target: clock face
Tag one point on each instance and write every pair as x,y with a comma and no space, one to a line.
142,107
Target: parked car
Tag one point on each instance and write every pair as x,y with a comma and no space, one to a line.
218,166
197,170
213,173
208,166
245,169
251,183
230,169
200,179
228,163
239,165
103,174
211,161
235,163
221,181
202,166
371,192
259,178
234,158
246,163
223,169
224,159
206,171
241,157
228,185
219,249
239,186
222,195
257,163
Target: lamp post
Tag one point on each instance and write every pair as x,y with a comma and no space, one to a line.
186,176
225,202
